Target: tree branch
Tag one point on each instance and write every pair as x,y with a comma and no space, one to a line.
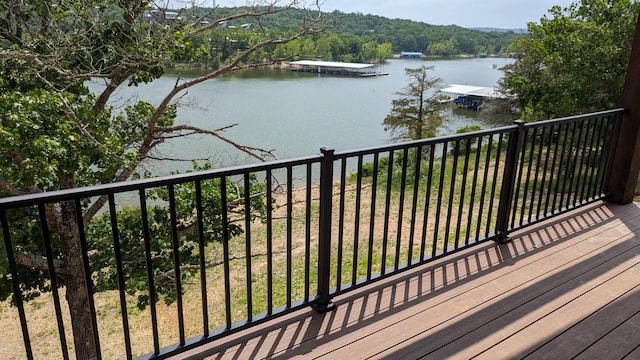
38,262
269,8
9,189
250,150
151,139
24,56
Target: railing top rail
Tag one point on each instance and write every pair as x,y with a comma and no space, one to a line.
137,185
425,142
575,117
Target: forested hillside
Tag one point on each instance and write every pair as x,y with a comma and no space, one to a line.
350,37
407,35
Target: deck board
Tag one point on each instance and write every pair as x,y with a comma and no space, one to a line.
566,287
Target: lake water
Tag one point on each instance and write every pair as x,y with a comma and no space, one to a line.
295,114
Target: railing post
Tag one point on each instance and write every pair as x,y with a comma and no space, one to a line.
17,294
324,303
516,140
626,163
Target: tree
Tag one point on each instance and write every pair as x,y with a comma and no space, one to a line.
417,113
574,61
465,145
56,134
443,48
383,51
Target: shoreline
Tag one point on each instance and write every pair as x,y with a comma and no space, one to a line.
285,65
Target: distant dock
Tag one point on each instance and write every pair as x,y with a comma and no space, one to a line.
336,68
470,97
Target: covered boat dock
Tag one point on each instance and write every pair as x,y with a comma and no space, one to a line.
470,97
411,55
336,68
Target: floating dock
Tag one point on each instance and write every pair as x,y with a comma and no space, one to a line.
336,68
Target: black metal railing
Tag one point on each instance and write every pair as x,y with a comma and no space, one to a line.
230,248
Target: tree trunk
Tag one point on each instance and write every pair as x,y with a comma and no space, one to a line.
78,291
82,320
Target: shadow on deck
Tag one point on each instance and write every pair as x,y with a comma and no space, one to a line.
564,288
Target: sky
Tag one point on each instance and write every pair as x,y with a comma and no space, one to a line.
507,14
511,14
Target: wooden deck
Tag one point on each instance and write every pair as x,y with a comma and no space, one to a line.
565,288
